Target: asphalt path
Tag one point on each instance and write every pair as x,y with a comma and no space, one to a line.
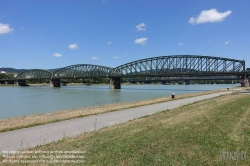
31,137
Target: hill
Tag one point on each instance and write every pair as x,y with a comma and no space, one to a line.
12,70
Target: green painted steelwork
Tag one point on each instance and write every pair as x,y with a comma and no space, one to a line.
82,71
34,74
180,65
163,66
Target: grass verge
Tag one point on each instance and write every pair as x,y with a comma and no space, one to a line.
209,132
39,119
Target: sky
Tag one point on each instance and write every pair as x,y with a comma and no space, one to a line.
48,34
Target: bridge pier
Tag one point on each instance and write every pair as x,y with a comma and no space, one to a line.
21,83
55,83
164,82
115,83
186,82
8,82
245,82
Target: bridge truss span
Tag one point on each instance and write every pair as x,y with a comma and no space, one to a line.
82,71
180,65
34,74
163,66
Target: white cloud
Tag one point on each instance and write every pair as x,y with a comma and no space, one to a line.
142,41
46,61
57,55
108,43
73,46
227,42
94,58
141,27
116,57
181,44
5,28
211,16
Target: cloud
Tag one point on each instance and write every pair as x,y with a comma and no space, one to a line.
94,58
142,41
211,16
5,28
141,27
73,46
181,44
227,42
116,57
57,55
108,43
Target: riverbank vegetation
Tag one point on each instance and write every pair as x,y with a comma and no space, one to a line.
209,132
38,119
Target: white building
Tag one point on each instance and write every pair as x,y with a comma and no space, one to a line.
3,72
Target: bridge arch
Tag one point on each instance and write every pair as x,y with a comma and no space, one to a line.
34,74
180,65
82,71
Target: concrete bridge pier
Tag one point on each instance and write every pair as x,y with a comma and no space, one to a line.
21,83
186,82
115,83
164,82
245,82
55,83
9,82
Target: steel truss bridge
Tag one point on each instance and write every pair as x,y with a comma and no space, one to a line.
163,66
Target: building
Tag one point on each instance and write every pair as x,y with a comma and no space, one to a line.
2,72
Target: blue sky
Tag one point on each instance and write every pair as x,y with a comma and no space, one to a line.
49,34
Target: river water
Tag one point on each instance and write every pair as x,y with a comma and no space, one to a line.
22,101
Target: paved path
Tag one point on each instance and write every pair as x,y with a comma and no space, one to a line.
30,137
246,92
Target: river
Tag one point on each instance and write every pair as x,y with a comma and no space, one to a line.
22,101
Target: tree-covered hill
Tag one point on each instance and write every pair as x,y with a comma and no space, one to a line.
12,70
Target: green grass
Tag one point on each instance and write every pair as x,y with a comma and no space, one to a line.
194,134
